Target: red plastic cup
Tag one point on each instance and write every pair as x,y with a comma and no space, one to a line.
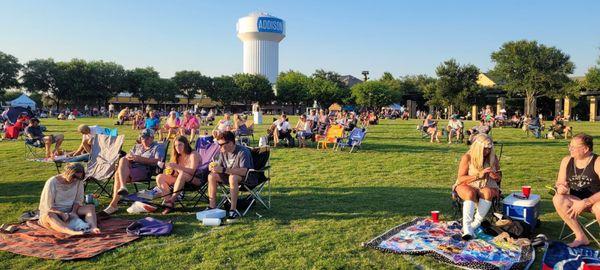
526,191
435,216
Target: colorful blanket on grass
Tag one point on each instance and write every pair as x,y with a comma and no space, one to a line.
33,240
442,241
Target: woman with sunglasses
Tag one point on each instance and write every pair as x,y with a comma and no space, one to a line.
477,183
62,200
578,186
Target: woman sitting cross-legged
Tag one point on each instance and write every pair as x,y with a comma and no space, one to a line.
61,203
477,184
181,169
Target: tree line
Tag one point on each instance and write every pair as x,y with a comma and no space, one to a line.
522,68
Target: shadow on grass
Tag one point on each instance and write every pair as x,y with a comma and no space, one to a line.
326,203
21,192
410,148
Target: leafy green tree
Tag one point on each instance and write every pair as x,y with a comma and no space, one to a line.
135,81
592,78
532,70
456,84
11,95
254,88
9,71
326,92
293,88
224,90
331,76
42,76
104,80
190,83
161,90
374,94
73,82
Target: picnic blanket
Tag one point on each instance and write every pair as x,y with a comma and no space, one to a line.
559,256
442,241
33,240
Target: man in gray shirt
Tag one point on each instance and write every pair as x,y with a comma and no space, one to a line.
234,162
135,166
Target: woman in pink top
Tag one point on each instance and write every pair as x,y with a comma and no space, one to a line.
190,125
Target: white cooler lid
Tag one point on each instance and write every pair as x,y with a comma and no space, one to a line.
531,202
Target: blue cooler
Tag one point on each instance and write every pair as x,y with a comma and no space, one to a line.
526,210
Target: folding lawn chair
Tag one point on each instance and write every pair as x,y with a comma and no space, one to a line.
103,161
262,171
423,132
245,136
354,139
332,134
34,149
85,157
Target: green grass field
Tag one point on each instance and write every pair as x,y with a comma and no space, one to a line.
324,203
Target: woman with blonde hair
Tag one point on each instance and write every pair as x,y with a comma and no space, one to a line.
478,181
61,203
180,170
171,126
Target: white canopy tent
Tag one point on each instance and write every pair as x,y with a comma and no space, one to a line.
23,101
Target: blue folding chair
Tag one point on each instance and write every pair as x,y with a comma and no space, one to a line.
354,140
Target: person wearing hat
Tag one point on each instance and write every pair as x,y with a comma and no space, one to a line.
455,126
135,166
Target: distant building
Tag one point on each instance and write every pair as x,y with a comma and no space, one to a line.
350,80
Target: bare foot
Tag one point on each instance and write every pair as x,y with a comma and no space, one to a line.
95,231
579,242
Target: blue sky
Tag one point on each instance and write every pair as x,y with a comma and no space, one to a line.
402,37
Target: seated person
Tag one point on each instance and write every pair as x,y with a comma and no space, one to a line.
35,136
373,119
578,186
405,115
62,200
87,135
515,121
283,130
190,125
234,162
135,166
240,125
454,127
535,126
152,121
303,130
430,127
322,122
482,128
171,126
71,116
181,169
558,126
138,121
351,122
123,116
61,116
224,125
477,183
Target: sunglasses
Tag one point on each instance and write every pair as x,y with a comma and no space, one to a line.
221,144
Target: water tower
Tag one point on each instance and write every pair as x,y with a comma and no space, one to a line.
261,34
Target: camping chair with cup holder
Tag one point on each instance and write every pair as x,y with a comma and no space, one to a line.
102,164
245,136
262,171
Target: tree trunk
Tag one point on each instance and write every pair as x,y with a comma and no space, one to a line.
530,106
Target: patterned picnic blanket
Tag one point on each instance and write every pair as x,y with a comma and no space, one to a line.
33,240
442,241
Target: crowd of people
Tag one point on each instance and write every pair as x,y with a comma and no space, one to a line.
478,182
